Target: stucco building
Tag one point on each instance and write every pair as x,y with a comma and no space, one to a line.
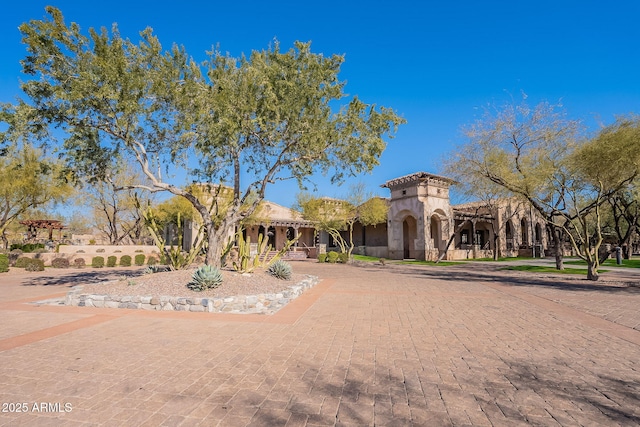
421,224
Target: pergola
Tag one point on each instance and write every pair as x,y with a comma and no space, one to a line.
33,225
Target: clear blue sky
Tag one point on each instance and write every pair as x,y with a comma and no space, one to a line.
435,63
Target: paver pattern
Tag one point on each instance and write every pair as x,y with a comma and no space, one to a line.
374,345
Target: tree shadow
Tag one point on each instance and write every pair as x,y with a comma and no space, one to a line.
464,273
80,277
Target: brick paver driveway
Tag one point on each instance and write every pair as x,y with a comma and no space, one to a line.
384,346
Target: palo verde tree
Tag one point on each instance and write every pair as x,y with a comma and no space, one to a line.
335,216
598,169
521,149
28,178
265,117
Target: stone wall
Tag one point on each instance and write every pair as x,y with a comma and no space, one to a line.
256,304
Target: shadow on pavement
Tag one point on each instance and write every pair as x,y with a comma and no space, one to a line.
79,277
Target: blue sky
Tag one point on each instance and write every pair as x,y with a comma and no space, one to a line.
436,63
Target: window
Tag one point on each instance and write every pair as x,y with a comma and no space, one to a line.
464,237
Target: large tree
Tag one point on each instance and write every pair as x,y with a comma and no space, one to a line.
29,178
270,116
521,149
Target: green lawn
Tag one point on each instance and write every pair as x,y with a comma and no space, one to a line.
626,263
542,269
504,259
365,258
443,263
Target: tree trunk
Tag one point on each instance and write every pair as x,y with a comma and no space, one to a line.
557,244
592,271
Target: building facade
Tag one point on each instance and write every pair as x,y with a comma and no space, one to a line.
421,224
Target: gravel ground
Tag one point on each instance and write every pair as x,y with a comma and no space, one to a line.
174,283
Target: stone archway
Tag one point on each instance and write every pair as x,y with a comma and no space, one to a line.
409,235
435,230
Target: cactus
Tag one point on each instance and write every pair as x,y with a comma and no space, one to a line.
280,269
205,277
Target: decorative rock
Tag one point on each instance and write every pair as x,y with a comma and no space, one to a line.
262,303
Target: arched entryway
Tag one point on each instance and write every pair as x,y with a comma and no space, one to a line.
524,232
409,234
436,231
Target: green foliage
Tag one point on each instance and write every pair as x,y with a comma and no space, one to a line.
171,255
152,260
247,263
60,263
322,257
22,262
280,269
79,262
139,259
205,277
343,257
271,113
27,247
4,263
97,262
35,265
332,257
112,260
154,268
125,261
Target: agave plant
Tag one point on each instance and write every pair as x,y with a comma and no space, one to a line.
205,277
280,269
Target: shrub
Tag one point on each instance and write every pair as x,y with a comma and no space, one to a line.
138,250
100,251
60,263
280,269
322,257
4,263
332,257
125,261
97,262
154,268
35,265
92,241
22,262
79,262
343,257
112,260
138,260
205,277
152,260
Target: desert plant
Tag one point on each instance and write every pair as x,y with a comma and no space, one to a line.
60,263
125,261
280,269
35,265
100,251
79,262
322,257
111,261
22,262
4,263
152,260
97,262
247,263
343,257
205,277
154,268
332,257
138,260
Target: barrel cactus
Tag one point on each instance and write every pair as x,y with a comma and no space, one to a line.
205,277
280,269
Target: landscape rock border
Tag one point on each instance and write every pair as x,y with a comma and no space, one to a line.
240,304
